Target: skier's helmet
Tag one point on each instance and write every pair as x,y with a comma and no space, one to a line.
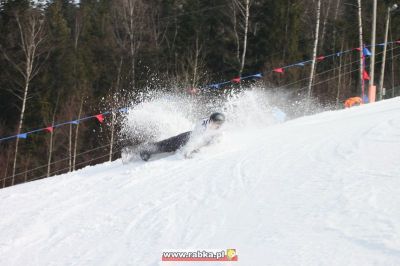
217,118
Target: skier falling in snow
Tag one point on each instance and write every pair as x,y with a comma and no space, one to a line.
205,133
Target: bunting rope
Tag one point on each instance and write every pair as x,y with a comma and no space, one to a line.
334,77
332,69
58,161
3,180
116,150
100,117
354,70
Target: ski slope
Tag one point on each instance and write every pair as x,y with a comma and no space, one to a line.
318,190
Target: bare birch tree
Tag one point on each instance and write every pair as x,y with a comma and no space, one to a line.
339,82
310,82
77,133
129,26
194,66
51,128
31,31
328,8
335,19
76,35
246,30
235,29
114,103
241,9
361,43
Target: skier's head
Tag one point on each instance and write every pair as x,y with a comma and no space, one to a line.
217,119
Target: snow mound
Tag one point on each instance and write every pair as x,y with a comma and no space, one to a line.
318,190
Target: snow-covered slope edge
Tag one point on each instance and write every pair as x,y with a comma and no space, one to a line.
319,190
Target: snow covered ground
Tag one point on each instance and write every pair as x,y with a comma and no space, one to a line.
319,190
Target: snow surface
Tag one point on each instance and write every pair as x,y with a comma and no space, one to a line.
318,190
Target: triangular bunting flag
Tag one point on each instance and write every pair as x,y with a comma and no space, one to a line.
100,117
236,80
338,54
258,75
381,44
278,70
365,75
366,51
358,49
75,122
49,129
398,41
320,58
22,136
301,64
214,86
123,110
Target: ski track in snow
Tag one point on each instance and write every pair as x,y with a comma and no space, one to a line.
318,190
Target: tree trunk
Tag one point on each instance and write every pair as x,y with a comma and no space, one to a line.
286,41
70,148
26,168
391,38
113,115
339,78
324,24
335,28
235,31
133,62
31,33
309,94
21,121
361,44
382,77
77,134
246,29
373,37
7,165
50,153
51,137
77,32
195,78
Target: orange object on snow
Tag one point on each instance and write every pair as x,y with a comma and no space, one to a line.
353,101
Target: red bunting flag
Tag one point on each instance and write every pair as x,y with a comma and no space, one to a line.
100,117
365,75
320,58
358,49
236,80
49,129
398,41
278,70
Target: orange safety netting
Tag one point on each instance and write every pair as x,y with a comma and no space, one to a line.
353,101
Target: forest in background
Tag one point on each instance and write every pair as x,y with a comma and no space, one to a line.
73,58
